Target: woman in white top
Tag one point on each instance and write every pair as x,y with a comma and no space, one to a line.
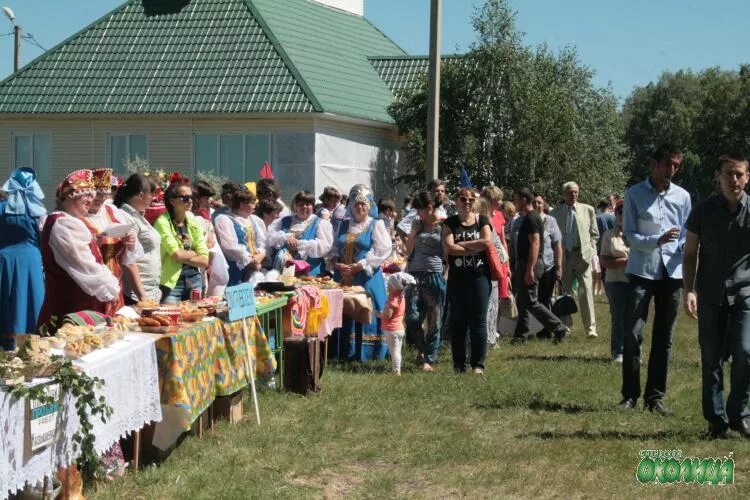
363,244
76,278
302,236
132,198
242,238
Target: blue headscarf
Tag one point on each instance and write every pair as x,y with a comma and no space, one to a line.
361,194
24,193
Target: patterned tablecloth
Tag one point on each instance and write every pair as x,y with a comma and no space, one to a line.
126,365
203,361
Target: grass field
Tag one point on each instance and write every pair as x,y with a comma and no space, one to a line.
541,422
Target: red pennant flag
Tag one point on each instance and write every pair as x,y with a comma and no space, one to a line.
266,172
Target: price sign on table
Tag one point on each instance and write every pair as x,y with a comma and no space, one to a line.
41,421
241,301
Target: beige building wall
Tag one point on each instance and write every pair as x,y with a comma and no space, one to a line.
83,142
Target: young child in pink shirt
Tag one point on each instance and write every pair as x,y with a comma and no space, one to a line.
392,317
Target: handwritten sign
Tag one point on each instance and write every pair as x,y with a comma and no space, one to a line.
42,420
241,301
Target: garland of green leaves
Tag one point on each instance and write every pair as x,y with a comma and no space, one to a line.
81,387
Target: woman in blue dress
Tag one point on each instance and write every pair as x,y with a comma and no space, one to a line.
302,236
21,278
362,245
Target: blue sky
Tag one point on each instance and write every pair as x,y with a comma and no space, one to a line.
627,42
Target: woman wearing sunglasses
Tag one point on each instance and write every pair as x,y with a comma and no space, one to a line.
466,238
183,246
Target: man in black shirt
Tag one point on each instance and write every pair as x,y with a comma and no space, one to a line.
529,268
718,244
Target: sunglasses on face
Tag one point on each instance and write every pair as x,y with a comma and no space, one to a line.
186,198
465,199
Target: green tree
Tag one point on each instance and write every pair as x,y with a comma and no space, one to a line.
706,114
517,116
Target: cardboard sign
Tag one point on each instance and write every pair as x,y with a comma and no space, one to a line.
241,301
41,420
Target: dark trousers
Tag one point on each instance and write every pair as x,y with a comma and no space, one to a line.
544,293
725,330
666,295
527,301
468,313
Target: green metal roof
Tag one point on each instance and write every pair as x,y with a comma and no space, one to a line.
330,48
210,56
403,72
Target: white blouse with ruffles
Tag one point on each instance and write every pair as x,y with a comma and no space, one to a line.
69,241
317,248
381,249
233,250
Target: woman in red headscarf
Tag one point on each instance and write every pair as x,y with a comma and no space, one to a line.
76,278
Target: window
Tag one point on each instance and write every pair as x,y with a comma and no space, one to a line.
294,161
236,156
240,157
124,148
33,150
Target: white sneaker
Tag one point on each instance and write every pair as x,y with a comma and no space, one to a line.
592,335
618,359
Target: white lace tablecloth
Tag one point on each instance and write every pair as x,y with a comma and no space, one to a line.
131,387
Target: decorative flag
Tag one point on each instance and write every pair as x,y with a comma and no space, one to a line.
266,172
464,181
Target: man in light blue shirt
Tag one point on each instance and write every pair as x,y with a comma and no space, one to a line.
654,217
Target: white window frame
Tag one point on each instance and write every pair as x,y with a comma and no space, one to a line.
127,135
46,178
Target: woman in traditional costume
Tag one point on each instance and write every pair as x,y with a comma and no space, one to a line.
118,253
21,278
242,238
76,278
302,236
363,244
133,198
183,246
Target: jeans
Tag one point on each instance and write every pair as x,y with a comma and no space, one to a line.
617,294
528,302
666,295
721,330
424,316
468,302
189,278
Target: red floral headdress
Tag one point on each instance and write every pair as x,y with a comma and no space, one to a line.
102,180
78,183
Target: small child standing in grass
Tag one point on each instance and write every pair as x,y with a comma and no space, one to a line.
392,317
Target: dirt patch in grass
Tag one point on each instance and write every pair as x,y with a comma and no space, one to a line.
344,482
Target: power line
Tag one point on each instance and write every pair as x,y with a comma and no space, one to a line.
30,38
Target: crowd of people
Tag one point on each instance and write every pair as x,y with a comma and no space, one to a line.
478,266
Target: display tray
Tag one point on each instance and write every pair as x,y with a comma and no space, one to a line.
158,329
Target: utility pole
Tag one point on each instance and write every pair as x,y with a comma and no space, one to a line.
17,51
433,99
17,35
